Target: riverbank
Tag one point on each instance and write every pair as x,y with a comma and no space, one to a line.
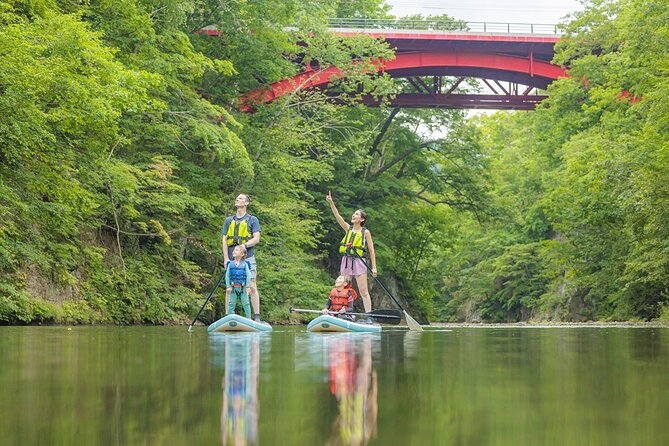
553,325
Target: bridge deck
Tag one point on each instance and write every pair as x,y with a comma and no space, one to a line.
541,46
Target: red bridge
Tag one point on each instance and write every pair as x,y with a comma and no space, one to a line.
513,61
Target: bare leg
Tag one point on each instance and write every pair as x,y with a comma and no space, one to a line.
361,280
255,298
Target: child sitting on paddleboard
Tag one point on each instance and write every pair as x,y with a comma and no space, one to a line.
341,296
237,281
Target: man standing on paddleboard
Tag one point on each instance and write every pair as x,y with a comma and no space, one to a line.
243,228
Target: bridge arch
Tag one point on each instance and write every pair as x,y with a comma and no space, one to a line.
521,70
516,56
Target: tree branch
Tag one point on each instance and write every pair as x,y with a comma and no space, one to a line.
401,157
421,249
383,131
118,230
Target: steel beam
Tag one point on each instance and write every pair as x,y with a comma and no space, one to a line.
460,101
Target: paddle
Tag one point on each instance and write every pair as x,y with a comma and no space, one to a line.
391,317
190,327
411,322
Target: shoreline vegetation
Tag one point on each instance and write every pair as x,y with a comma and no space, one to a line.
552,325
123,144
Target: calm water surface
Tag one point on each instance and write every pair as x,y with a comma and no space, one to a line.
467,386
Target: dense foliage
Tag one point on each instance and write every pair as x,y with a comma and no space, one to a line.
122,148
121,152
580,185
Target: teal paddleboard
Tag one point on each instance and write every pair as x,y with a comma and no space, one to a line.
235,322
327,323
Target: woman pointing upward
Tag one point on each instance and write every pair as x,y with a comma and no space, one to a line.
357,240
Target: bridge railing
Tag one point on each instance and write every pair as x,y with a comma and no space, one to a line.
444,25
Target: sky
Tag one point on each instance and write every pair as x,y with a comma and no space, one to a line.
503,11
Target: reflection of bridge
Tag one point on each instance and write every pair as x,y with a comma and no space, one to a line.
511,60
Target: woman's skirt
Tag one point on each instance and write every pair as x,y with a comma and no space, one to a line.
352,266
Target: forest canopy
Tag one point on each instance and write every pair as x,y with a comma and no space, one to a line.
123,145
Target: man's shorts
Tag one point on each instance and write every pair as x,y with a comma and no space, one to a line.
254,268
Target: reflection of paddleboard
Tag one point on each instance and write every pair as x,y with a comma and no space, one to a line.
330,323
235,322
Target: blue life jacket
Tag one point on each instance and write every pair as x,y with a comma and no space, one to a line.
238,272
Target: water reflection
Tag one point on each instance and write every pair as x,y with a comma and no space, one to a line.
412,340
353,383
472,386
239,354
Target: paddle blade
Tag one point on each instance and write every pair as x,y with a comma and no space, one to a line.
411,322
385,320
387,313
389,317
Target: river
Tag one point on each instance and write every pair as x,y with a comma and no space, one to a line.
456,386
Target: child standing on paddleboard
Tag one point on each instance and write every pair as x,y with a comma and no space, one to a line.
237,281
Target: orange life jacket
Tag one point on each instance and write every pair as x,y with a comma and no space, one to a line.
340,299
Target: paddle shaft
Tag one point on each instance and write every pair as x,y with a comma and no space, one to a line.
411,322
378,281
371,314
190,327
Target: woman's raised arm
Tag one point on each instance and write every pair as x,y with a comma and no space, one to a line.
339,218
